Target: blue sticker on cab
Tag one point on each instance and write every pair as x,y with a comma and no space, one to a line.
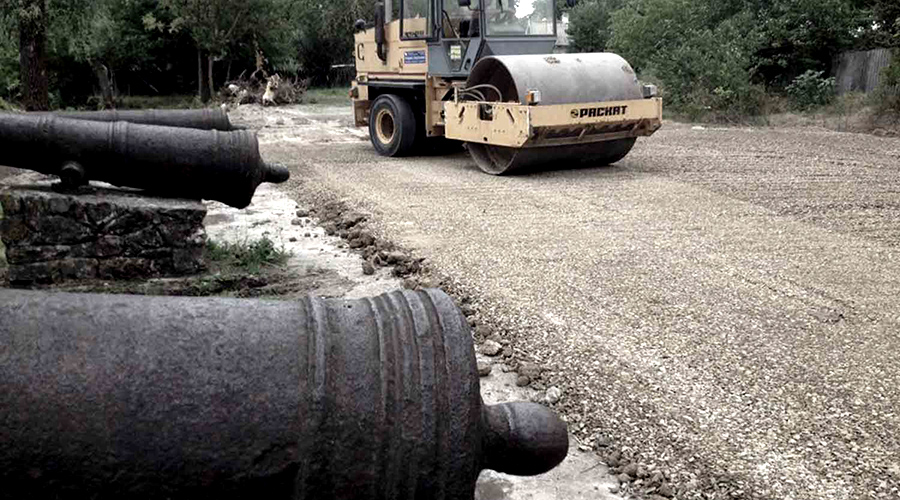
414,57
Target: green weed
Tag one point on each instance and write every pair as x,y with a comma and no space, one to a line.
159,102
249,256
325,95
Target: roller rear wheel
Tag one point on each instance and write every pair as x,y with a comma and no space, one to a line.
392,126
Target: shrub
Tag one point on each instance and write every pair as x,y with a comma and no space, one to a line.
887,95
811,90
589,25
706,71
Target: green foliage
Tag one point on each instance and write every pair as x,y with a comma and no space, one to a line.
887,95
327,96
589,25
709,57
802,35
887,17
810,90
720,56
701,57
160,102
325,34
6,106
248,256
215,25
9,56
890,75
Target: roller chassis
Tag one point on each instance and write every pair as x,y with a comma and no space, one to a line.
523,126
506,129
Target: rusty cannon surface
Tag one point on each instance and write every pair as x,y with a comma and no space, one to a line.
166,161
117,396
204,119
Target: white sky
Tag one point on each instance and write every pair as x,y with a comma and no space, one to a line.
524,8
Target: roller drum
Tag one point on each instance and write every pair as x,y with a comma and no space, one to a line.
561,79
117,396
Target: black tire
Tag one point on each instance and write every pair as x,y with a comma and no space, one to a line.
392,126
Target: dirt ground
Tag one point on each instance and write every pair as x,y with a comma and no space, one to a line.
720,306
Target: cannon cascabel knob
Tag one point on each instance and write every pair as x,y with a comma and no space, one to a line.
523,439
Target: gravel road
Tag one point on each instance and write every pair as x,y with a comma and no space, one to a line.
722,304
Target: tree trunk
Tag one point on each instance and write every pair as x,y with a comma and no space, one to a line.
209,73
202,87
33,56
106,88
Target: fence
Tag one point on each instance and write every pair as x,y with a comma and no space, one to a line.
859,71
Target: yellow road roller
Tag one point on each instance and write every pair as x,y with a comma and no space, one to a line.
483,72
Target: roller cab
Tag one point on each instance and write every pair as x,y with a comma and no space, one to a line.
481,72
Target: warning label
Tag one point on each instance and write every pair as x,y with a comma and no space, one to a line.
414,57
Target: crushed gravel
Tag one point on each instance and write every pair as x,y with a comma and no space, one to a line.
719,309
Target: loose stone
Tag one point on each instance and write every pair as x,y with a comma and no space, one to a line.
490,348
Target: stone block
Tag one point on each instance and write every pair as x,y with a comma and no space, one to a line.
53,271
99,232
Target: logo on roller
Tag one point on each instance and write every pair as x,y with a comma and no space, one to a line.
595,112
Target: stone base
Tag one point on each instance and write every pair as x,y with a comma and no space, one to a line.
97,233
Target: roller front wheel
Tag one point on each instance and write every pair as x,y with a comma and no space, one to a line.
392,126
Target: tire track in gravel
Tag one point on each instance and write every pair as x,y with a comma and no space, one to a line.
843,182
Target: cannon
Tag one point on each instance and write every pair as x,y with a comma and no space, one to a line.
204,119
167,161
118,396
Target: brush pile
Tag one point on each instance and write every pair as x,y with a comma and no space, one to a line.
273,90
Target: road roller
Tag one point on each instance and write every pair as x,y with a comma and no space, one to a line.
483,72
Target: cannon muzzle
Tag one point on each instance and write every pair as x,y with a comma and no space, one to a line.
117,396
168,161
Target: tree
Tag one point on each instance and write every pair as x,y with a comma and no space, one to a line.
887,17
213,25
32,23
9,54
589,24
803,35
701,53
325,35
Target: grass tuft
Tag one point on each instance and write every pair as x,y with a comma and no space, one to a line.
249,256
159,102
324,95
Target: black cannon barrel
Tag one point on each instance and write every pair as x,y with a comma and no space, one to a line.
169,161
205,119
117,396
